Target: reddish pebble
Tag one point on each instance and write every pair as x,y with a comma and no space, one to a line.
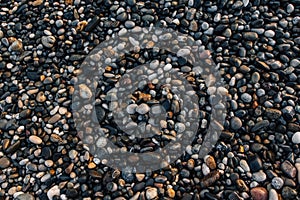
259,193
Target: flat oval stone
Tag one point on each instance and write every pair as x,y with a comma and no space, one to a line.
4,163
35,139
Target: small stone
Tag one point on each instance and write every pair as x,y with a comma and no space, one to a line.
290,8
259,193
273,113
244,165
73,154
204,26
131,109
85,92
54,119
296,138
40,97
129,24
48,41
277,183
183,52
273,195
17,45
171,193
59,23
25,196
270,33
288,169
247,98
235,123
54,191
35,139
151,193
297,165
251,36
255,77
143,109
210,162
259,176
255,163
288,193
4,163
154,64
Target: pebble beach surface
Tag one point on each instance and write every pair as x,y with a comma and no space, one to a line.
255,44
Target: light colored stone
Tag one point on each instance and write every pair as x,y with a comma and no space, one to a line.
244,165
259,176
35,139
273,195
277,183
151,193
54,191
142,109
296,138
84,91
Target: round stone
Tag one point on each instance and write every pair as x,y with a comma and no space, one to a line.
131,108
277,183
270,33
151,193
259,193
296,138
235,123
247,98
143,109
4,163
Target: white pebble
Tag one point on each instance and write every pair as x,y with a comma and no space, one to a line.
296,138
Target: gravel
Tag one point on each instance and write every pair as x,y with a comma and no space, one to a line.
255,45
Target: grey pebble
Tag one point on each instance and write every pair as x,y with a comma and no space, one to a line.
235,123
277,183
48,41
247,98
4,162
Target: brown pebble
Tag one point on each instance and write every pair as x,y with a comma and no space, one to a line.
210,162
210,179
259,193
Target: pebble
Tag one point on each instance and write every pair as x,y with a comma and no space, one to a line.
288,169
4,163
48,41
277,183
84,91
288,193
251,36
259,193
151,193
273,113
255,163
247,98
73,154
54,191
235,123
290,8
41,97
296,138
273,195
35,139
171,193
244,165
142,109
297,165
270,33
25,196
259,176
17,45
